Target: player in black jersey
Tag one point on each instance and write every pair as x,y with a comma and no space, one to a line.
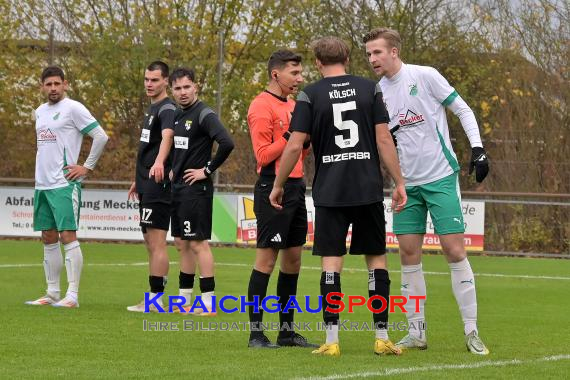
196,127
152,186
346,119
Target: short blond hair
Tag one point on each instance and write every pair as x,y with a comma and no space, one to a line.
331,50
391,36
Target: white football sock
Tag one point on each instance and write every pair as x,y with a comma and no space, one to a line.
463,285
187,294
73,265
53,262
207,299
382,334
414,284
332,334
151,295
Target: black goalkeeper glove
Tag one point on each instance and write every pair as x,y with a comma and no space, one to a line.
393,134
480,163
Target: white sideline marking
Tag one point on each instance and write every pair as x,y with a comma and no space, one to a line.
502,275
440,367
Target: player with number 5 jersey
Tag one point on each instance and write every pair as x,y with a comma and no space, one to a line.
345,117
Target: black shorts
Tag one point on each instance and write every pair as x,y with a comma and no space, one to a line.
192,218
368,230
284,228
153,214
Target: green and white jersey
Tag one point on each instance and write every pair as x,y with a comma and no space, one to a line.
416,98
59,128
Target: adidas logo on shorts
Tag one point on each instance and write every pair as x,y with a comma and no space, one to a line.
276,238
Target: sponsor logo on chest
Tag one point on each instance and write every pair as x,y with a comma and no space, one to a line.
180,142
46,136
145,135
410,119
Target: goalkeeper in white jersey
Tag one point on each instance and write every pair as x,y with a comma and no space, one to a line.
61,124
416,98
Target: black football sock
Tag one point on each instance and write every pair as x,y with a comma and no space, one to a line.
286,287
257,287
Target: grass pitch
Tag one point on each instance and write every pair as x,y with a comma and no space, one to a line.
523,319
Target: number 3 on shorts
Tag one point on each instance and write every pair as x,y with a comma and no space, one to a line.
186,227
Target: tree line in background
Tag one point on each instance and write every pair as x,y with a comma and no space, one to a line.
507,59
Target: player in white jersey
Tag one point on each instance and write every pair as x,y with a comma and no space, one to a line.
416,98
61,124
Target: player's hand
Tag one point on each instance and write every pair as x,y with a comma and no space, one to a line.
171,175
75,172
480,163
276,197
399,198
133,195
193,175
157,171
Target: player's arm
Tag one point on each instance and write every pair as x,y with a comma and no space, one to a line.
387,149
87,125
301,124
289,159
389,156
260,124
100,139
479,160
166,117
218,132
445,94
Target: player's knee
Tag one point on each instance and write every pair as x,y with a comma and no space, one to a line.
179,245
455,254
67,237
49,237
291,264
265,266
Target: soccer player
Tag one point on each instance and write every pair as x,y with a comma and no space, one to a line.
346,121
196,127
152,185
268,119
61,124
416,98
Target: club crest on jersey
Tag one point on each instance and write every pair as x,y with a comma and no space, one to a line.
56,116
414,89
188,124
150,119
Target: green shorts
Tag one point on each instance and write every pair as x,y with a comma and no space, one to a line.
443,201
57,209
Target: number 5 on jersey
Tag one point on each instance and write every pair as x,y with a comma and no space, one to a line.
350,125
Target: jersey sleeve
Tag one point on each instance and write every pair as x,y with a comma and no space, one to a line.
211,124
379,108
439,87
260,124
166,116
302,115
82,118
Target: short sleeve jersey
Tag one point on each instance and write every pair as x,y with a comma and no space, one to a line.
158,117
416,98
340,114
268,117
59,133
